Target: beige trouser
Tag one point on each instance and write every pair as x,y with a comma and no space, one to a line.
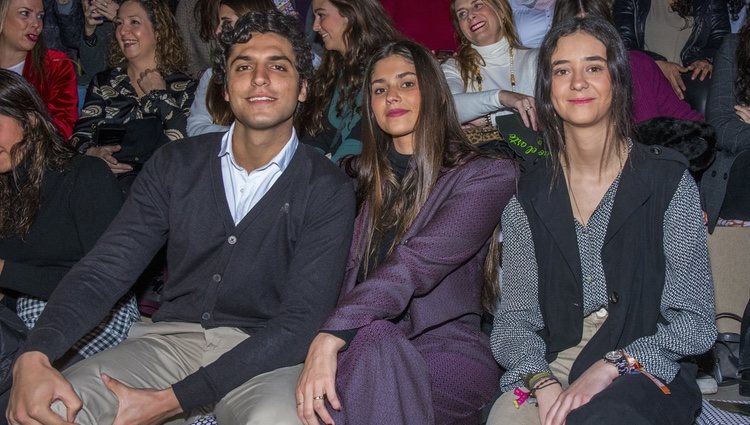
156,355
504,412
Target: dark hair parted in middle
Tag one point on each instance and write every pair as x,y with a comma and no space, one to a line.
271,21
620,113
439,145
566,9
369,27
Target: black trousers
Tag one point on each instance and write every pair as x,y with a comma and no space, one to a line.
636,400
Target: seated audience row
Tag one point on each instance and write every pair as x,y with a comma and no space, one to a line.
265,317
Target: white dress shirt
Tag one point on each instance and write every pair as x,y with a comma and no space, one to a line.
244,189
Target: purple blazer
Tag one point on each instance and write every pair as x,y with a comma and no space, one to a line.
435,275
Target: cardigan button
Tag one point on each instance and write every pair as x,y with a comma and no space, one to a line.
206,316
217,278
232,240
656,150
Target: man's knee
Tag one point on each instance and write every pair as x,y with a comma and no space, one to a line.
266,399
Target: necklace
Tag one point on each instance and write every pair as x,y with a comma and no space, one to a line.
478,77
573,197
512,70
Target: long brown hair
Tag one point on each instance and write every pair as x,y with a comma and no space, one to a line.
217,106
620,113
40,149
396,204
38,52
369,28
170,49
468,59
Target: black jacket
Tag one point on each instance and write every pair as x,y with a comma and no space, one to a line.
710,25
632,255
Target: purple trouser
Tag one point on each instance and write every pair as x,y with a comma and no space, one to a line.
444,376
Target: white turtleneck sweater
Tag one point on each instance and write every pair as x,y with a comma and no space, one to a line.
495,77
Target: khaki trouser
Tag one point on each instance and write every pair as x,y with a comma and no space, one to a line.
504,412
158,355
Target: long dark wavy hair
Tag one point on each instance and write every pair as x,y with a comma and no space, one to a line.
41,149
38,52
369,28
566,9
217,106
620,113
170,49
439,144
742,56
468,59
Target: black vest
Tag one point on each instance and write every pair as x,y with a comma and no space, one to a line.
632,255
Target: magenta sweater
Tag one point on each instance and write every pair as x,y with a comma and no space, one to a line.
652,93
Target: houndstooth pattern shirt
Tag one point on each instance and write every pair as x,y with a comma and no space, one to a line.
687,288
110,331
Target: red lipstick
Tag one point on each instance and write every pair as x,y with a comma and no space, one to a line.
393,113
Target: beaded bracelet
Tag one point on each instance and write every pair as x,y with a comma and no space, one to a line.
532,379
544,384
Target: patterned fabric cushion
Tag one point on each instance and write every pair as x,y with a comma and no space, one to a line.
205,420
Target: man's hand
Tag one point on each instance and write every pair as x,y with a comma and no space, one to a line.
36,384
592,382
106,153
673,72
142,406
317,382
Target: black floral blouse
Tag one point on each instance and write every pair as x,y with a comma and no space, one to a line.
111,99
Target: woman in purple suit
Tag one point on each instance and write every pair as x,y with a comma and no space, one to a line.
404,342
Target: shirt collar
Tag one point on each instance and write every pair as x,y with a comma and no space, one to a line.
281,160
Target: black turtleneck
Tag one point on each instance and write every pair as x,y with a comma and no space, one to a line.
76,207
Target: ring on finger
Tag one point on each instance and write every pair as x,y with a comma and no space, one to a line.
319,397
300,403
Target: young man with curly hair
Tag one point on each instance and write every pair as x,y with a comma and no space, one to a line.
259,227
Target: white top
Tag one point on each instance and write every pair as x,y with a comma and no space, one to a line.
200,121
495,77
533,19
17,68
242,189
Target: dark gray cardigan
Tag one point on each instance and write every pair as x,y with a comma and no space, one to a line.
276,274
